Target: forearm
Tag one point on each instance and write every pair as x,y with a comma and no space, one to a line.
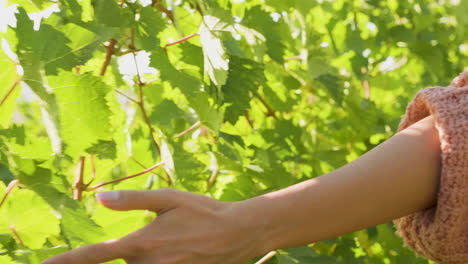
396,178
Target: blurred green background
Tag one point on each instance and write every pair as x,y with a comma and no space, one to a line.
269,93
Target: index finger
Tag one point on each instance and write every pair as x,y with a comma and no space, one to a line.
92,254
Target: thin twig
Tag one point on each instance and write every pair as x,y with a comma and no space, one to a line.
78,184
367,90
365,84
184,39
12,88
247,116
266,257
126,96
293,58
8,190
15,233
97,186
270,110
158,5
141,104
167,180
190,129
212,180
132,39
109,52
125,52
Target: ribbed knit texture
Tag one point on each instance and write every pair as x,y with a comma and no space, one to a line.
441,233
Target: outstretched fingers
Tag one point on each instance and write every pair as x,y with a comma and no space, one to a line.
95,253
155,200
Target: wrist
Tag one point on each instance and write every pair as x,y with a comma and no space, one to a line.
253,215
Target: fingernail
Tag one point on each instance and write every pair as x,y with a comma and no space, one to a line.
108,197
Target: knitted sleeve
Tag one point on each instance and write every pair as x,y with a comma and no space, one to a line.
441,233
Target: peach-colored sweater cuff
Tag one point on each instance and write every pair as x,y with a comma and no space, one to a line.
441,233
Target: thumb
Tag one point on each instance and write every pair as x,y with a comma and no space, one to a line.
155,200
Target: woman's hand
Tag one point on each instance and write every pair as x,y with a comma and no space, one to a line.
190,228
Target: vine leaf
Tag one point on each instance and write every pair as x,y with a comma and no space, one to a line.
16,213
148,27
248,73
9,90
262,22
215,58
84,113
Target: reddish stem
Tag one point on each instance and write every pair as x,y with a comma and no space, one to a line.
141,104
190,129
12,88
366,86
15,233
8,190
266,257
293,58
126,96
97,186
109,53
128,52
184,39
169,14
214,176
168,181
247,116
78,185
270,110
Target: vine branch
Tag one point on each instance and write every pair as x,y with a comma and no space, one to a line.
127,96
247,117
270,111
184,39
213,177
190,129
141,104
9,189
109,52
10,91
78,185
169,13
17,236
293,58
167,180
97,186
141,101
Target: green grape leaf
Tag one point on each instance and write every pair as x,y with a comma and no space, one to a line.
262,22
121,223
75,223
103,149
334,86
244,76
216,60
7,260
10,89
84,113
148,27
34,5
107,12
38,255
21,205
190,86
36,49
34,53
